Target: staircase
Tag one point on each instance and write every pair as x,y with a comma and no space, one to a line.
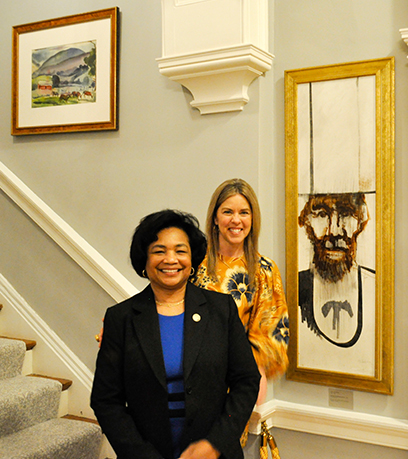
31,425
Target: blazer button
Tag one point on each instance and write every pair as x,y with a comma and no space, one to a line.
189,390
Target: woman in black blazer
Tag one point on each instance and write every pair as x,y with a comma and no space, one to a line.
175,375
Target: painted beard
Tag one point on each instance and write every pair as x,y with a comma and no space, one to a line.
333,269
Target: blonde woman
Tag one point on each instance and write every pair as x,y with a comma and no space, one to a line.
233,265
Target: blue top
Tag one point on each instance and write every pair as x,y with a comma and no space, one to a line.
172,338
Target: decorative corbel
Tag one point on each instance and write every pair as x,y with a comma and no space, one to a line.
216,49
404,35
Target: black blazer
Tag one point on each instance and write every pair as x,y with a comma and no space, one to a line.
221,379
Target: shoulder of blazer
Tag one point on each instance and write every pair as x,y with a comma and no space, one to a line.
202,294
138,302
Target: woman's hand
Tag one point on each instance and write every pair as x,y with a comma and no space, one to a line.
202,449
99,337
263,387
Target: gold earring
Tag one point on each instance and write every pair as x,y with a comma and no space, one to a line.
144,273
192,272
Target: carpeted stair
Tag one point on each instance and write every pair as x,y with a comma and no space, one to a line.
29,426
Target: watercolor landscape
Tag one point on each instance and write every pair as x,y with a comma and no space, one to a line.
64,75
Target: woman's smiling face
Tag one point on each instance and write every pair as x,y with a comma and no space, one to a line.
234,220
168,265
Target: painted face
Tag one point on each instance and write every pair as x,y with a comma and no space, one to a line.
234,220
168,265
333,223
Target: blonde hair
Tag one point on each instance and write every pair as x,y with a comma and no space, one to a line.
227,189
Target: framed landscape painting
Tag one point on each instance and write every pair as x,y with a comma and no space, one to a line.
64,74
340,224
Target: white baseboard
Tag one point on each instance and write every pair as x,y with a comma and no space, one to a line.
330,422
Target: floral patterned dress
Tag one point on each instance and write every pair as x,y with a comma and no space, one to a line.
263,309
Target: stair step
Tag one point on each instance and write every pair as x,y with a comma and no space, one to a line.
12,355
30,343
54,439
66,383
27,401
80,418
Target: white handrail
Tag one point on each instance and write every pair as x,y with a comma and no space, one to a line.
96,266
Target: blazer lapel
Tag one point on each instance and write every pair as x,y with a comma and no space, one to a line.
146,325
195,324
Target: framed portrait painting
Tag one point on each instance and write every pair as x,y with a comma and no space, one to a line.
339,141
64,74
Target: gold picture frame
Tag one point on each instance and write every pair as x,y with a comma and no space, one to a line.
339,142
65,74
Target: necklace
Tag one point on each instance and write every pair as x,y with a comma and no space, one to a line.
169,305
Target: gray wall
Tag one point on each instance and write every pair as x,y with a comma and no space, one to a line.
166,155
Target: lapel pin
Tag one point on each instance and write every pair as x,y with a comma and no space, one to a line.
196,317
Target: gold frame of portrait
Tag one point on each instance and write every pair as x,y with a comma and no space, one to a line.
66,27
383,70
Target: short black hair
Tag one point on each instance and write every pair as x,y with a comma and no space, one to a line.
151,225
